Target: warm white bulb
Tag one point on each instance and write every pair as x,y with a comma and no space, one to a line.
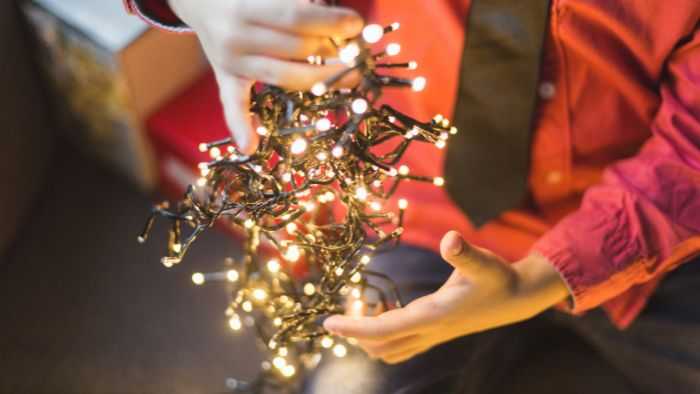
201,182
403,203
337,151
365,259
322,156
361,193
393,49
376,205
395,26
288,371
359,106
262,130
309,289
372,33
356,277
440,144
323,124
249,223
259,294
418,84
198,278
232,275
403,170
247,306
438,181
279,362
326,342
291,228
273,266
235,323
292,254
203,147
339,271
298,146
215,152
340,350
319,89
412,65
348,53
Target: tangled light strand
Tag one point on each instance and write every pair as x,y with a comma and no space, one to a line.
317,150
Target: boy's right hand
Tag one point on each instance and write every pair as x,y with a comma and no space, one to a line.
266,41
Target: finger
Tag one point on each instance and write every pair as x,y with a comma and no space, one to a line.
471,261
287,74
384,348
282,45
389,325
404,355
235,99
307,19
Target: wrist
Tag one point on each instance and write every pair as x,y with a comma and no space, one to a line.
539,282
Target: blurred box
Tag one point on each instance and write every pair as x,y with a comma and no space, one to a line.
108,72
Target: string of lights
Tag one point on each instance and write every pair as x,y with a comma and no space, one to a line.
314,194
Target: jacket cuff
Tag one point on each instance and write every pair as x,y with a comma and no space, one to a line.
157,13
587,272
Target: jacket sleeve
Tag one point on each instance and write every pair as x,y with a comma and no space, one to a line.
156,13
643,219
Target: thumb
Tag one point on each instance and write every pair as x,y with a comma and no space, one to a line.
473,262
235,99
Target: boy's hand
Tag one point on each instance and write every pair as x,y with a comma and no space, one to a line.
483,292
266,41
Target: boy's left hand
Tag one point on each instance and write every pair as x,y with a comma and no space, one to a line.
483,292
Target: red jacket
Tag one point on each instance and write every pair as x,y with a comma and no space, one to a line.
615,175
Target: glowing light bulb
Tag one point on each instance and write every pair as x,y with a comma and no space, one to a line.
323,124
339,271
176,247
403,170
277,321
288,371
322,156
372,33
348,53
201,182
319,89
453,130
215,152
393,49
358,305
249,223
298,146
393,172
232,275
418,84
291,228
235,323
198,278
286,177
203,147
273,266
356,277
412,65
395,26
440,144
292,254
259,294
361,193
365,259
359,106
375,205
438,181
247,306
403,203
309,289
283,351
326,342
279,362
356,293
340,350
337,151
262,130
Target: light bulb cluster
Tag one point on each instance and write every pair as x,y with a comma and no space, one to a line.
313,203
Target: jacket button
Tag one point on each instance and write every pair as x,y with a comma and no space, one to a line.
546,90
554,177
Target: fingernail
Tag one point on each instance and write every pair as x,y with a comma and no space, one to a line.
455,244
331,324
